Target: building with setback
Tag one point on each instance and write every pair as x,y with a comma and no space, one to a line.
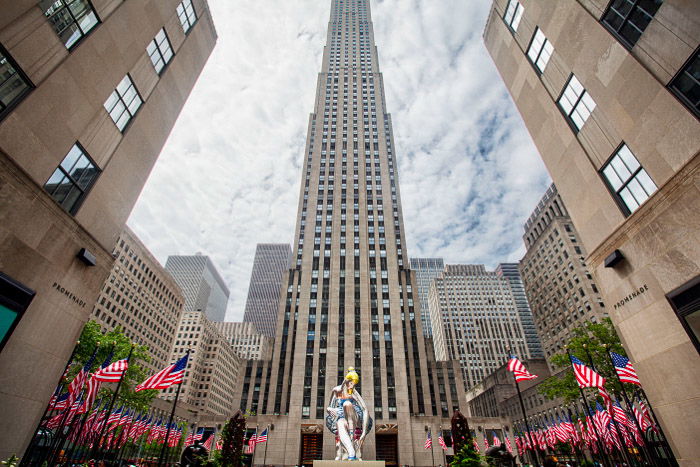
270,263
511,272
609,93
349,297
213,370
475,319
204,289
563,295
141,298
89,91
246,341
426,270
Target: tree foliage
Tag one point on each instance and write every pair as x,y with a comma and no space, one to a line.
467,456
115,341
596,340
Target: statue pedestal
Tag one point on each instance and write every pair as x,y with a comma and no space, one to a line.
349,463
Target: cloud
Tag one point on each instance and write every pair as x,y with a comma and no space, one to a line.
230,173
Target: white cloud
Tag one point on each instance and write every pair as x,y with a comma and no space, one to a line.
230,173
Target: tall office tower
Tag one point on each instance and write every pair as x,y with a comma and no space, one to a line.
204,289
213,370
270,263
426,270
246,341
89,91
510,271
475,320
562,293
609,92
348,298
142,298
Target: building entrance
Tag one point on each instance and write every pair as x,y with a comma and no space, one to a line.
388,449
311,448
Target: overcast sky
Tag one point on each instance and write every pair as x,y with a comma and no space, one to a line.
229,175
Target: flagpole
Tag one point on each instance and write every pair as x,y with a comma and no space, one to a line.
432,451
665,443
254,446
268,437
172,414
623,448
645,449
444,453
522,407
98,442
589,413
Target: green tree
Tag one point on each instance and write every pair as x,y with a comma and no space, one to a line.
116,341
595,339
467,456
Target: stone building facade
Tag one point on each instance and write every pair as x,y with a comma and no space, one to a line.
609,96
246,341
87,100
141,298
475,319
213,369
558,283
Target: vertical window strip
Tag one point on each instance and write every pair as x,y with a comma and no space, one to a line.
71,19
123,103
576,103
72,179
628,179
629,18
187,15
13,84
160,51
540,50
513,14
686,85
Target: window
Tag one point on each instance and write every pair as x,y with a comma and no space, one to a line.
628,179
72,180
160,51
686,85
686,303
123,103
576,103
13,83
187,15
513,14
629,18
71,19
540,50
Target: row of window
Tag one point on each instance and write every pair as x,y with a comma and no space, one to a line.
76,174
623,174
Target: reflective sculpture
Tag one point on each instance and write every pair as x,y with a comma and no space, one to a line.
348,418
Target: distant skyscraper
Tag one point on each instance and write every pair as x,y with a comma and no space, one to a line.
203,287
510,271
245,339
426,270
560,289
474,319
271,262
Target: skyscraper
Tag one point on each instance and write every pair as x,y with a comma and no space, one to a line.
270,263
562,292
426,270
609,93
201,283
510,271
348,298
89,91
475,320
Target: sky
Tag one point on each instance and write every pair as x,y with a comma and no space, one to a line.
229,175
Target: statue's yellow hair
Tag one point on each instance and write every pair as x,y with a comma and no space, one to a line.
352,375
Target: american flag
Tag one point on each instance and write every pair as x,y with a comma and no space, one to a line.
518,369
441,441
251,442
508,445
620,415
586,377
93,385
606,397
601,419
496,440
486,442
208,443
112,373
262,437
428,441
77,384
172,374
625,370
476,445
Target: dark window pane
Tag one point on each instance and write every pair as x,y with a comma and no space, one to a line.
71,19
629,18
71,180
687,84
